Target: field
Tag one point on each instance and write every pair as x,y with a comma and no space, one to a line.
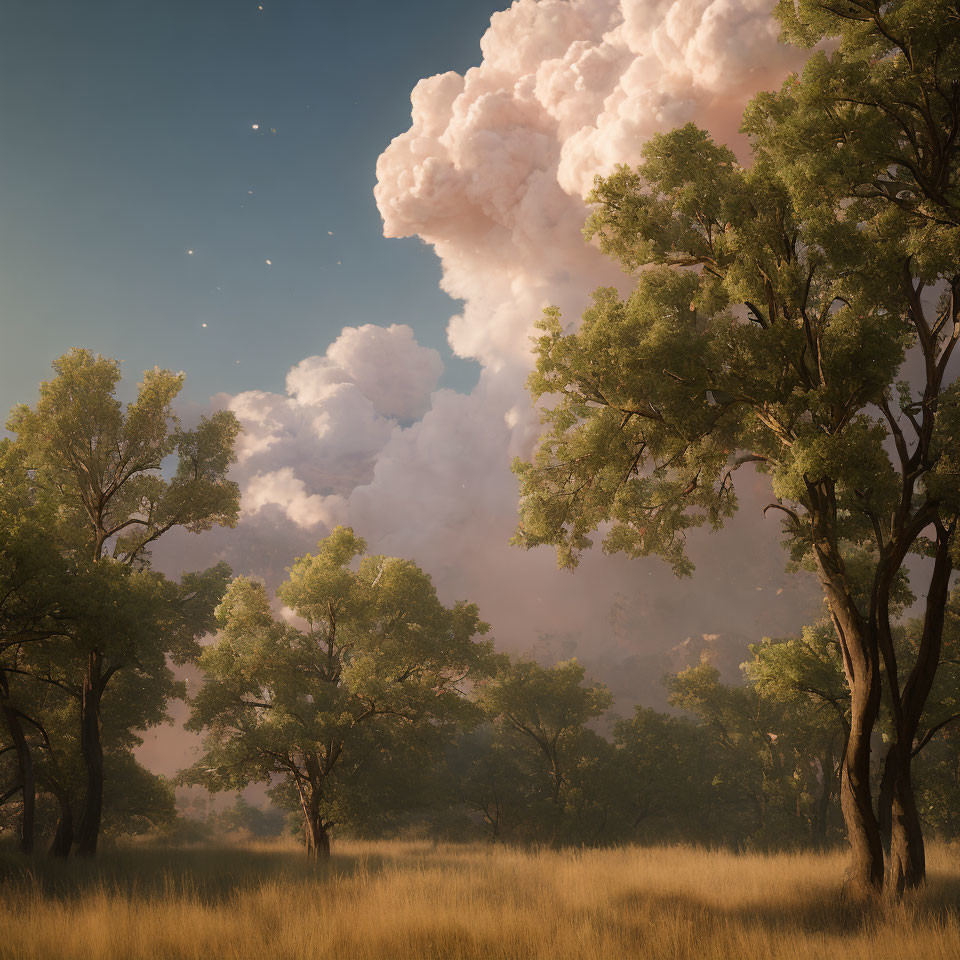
412,901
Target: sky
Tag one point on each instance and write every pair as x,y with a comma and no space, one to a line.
128,140
420,202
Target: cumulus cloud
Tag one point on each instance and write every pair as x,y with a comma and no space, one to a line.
495,165
386,365
305,450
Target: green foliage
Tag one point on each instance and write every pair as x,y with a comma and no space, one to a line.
755,336
776,776
107,462
538,773
667,778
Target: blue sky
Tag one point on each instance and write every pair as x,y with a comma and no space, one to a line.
127,140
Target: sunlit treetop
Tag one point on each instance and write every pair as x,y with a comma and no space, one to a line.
108,464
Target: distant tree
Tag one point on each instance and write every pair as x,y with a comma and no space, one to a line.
492,779
803,676
257,821
667,778
773,313
531,772
103,467
377,657
777,763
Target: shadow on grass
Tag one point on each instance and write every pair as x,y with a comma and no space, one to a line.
825,911
211,874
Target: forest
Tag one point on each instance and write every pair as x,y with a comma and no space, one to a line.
365,744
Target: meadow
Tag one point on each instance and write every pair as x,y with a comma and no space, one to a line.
414,901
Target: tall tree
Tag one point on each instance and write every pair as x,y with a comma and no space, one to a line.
761,331
376,656
871,132
104,464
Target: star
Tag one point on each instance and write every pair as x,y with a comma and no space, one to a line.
269,263
202,324
254,126
189,253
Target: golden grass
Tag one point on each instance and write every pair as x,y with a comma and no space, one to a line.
415,901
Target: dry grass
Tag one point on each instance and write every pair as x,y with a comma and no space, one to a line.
408,901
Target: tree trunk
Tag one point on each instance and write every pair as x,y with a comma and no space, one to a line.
63,838
885,798
861,665
907,867
323,842
828,776
318,835
863,832
25,768
316,831
898,805
89,830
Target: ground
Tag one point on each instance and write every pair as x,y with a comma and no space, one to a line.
416,901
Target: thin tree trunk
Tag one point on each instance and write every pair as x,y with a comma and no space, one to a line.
89,830
898,805
861,664
25,767
885,798
828,775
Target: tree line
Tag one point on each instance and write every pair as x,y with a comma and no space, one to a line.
371,709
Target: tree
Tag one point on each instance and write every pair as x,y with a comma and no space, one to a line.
544,712
377,657
875,125
765,331
804,677
669,779
103,467
492,778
